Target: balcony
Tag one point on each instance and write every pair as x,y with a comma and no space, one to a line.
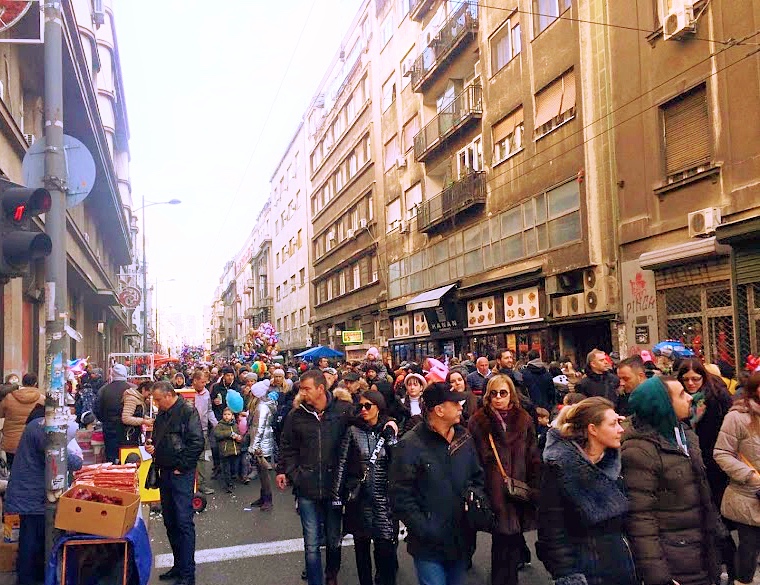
456,198
419,8
249,313
459,30
250,283
463,109
263,302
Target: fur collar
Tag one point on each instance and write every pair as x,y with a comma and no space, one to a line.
594,490
489,422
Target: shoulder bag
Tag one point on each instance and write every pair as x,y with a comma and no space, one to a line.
514,489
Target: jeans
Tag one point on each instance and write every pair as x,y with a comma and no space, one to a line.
202,468
506,554
30,563
746,555
440,572
316,514
386,563
177,508
230,467
111,440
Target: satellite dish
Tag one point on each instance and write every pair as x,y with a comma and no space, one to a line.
80,168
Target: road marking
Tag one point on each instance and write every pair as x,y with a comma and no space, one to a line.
243,551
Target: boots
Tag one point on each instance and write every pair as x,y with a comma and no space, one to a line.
331,580
266,504
258,503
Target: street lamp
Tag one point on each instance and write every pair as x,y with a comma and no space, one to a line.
144,270
155,303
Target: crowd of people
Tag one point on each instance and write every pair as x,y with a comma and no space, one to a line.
632,471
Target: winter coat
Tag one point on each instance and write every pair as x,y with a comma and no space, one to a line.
181,437
26,487
369,515
606,385
469,407
672,521
132,415
262,436
518,452
220,389
737,438
309,447
581,511
382,371
404,417
14,408
477,382
205,411
223,432
109,406
540,385
428,479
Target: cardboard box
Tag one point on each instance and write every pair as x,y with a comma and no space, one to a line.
8,553
11,526
89,517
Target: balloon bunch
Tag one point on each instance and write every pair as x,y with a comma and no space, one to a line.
192,354
264,339
753,363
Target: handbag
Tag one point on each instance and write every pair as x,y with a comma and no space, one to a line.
513,488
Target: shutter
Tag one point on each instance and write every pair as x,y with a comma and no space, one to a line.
693,274
548,102
687,131
568,95
503,127
747,265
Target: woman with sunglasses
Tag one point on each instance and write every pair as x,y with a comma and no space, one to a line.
361,483
506,442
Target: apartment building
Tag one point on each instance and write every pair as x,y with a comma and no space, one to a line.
686,132
290,245
100,230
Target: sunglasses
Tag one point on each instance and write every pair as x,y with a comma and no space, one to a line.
365,406
500,393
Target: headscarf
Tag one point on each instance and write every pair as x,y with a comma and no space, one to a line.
650,404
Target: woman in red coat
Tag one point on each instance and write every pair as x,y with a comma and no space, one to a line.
504,435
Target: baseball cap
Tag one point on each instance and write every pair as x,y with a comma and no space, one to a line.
438,393
332,371
351,377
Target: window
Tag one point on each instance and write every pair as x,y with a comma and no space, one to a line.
546,12
505,44
285,288
413,199
292,281
279,324
302,315
389,93
277,293
357,277
302,276
299,239
390,154
277,259
410,130
686,131
470,158
285,321
393,214
386,30
370,208
508,135
555,104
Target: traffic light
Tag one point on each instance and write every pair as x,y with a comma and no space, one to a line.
20,242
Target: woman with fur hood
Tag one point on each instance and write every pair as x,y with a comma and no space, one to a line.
672,521
582,505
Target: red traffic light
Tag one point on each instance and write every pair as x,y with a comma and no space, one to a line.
20,203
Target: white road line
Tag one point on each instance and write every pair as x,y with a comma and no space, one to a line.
243,551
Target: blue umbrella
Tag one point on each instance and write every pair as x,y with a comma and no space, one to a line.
673,348
319,352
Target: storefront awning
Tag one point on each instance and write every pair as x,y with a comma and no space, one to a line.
429,299
692,251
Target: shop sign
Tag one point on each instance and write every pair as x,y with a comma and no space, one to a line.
642,334
443,318
481,312
401,326
521,305
421,324
639,303
353,337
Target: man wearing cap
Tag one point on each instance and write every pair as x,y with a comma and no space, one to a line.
108,406
432,466
353,385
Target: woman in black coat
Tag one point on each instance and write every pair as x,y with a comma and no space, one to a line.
582,505
361,483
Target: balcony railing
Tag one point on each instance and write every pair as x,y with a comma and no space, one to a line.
419,9
249,313
462,26
457,197
250,283
467,106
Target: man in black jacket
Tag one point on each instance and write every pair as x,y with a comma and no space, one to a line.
108,406
539,382
599,380
432,466
309,449
176,445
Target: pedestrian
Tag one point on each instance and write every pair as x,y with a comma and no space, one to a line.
505,364
507,447
432,466
202,403
582,505
15,409
228,438
539,382
175,446
262,441
631,373
135,414
458,379
361,484
308,459
414,385
478,379
218,394
672,522
108,407
737,452
599,380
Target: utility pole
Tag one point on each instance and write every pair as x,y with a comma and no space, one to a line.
56,297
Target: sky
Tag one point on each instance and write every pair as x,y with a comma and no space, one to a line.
214,92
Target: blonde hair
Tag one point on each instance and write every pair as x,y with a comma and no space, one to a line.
498,380
573,421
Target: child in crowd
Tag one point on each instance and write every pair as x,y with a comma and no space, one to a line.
543,427
229,438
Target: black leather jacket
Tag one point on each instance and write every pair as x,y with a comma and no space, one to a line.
370,514
178,437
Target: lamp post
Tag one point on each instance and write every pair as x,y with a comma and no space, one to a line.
144,266
155,297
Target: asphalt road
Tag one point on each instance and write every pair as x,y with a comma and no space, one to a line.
236,546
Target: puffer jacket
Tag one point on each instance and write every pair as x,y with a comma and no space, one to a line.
14,408
737,439
672,520
309,447
228,447
369,515
132,416
428,479
540,385
261,433
581,511
606,385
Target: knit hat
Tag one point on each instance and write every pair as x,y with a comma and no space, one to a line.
260,389
119,372
373,353
650,404
417,376
375,398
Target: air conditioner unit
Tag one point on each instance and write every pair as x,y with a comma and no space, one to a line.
338,333
404,227
292,288
679,20
363,223
576,304
98,13
596,289
351,233
401,162
702,223
406,67
559,307
86,237
29,139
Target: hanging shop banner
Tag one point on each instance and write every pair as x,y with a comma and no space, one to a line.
353,337
421,324
401,326
521,305
481,312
